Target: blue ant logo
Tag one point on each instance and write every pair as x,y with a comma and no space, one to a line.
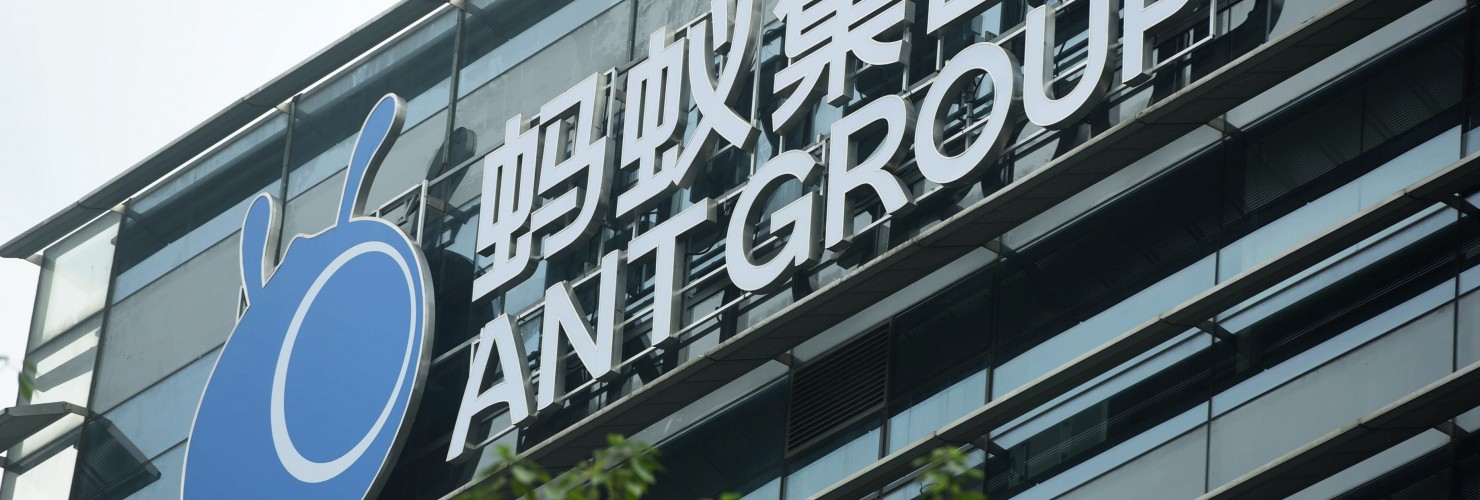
325,366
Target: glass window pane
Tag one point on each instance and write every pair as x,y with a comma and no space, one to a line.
519,79
50,479
1469,329
1468,345
848,453
64,372
198,207
74,279
1174,470
167,487
1116,319
418,68
729,449
1331,396
447,240
1104,422
160,417
1313,357
653,15
771,490
173,322
937,410
1329,210
312,211
1382,463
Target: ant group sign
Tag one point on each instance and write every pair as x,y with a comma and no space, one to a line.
310,393
351,308
562,159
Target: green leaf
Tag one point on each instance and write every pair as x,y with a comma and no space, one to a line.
524,476
26,380
635,490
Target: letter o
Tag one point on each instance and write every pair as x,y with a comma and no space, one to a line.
1006,75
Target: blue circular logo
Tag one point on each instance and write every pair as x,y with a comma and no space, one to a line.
325,367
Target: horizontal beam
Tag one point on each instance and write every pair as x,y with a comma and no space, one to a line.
20,422
984,221
1126,346
220,126
1359,440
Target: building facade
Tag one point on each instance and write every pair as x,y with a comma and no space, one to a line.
1106,248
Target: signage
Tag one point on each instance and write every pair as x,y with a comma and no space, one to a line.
325,366
548,189
310,394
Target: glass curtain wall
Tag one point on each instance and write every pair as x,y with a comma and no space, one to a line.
71,298
509,58
1192,413
464,71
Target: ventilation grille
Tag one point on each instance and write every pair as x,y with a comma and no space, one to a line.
109,466
838,387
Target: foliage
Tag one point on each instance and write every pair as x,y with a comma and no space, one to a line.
624,470
27,380
946,472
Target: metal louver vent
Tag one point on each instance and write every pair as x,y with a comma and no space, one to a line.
109,466
838,387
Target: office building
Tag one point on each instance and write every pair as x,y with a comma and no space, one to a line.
1217,249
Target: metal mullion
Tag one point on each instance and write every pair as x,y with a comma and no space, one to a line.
457,40
106,312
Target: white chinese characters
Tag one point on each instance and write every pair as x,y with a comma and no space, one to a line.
559,187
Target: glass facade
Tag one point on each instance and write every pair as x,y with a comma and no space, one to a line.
133,309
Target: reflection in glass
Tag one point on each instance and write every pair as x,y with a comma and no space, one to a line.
842,455
198,206
417,66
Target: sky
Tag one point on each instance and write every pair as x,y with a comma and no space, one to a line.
92,87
